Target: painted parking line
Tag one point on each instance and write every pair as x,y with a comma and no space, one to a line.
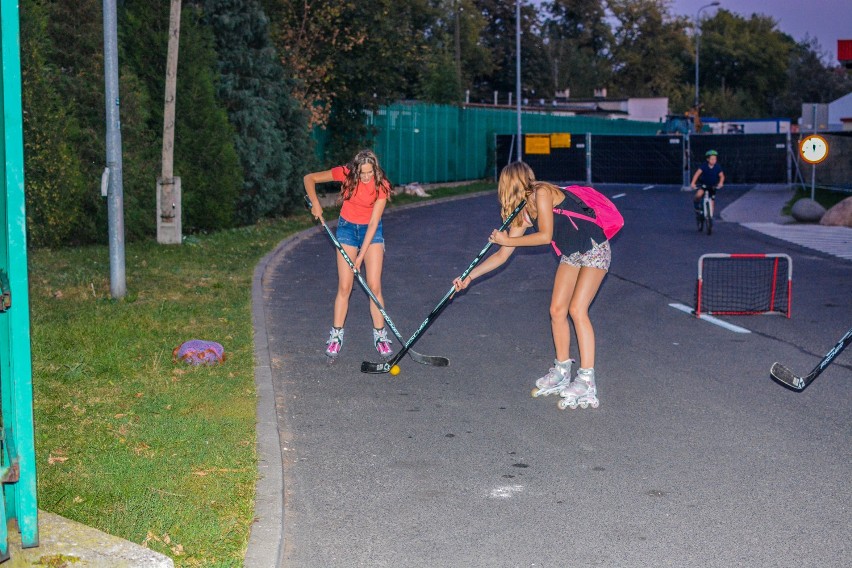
647,187
619,195
711,319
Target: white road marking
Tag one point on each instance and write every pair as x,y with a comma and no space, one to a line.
506,491
711,319
619,195
647,187
836,241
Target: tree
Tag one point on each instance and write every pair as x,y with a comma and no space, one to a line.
650,50
577,41
271,129
747,56
809,80
351,57
54,180
456,52
499,38
70,40
204,151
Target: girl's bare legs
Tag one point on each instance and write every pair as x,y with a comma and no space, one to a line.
373,261
583,391
560,300
345,279
586,287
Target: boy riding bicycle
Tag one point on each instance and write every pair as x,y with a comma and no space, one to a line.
709,175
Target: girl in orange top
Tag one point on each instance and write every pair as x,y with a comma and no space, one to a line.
364,193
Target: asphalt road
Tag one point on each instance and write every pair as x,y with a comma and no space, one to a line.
694,458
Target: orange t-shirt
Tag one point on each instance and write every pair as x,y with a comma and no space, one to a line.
359,208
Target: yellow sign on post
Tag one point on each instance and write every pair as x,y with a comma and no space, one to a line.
560,140
537,144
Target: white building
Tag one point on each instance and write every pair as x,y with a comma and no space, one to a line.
834,116
840,113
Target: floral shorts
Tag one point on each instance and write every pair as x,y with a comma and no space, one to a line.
599,257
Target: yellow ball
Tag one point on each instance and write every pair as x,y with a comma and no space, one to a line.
394,370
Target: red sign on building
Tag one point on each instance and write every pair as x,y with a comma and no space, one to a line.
844,52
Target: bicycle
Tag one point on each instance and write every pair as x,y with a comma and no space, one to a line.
704,216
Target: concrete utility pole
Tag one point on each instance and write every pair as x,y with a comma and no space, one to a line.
168,186
457,42
113,173
518,75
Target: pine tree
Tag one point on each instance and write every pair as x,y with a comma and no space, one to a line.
272,139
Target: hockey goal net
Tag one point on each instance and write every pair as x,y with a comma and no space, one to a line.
743,284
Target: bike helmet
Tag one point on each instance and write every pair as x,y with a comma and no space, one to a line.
711,153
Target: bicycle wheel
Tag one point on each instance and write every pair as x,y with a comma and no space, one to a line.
708,213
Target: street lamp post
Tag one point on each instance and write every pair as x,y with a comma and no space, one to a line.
519,148
698,43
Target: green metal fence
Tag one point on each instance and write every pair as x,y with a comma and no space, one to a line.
427,143
17,459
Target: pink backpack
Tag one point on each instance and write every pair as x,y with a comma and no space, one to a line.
606,216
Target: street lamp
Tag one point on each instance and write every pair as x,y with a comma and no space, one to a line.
519,150
697,45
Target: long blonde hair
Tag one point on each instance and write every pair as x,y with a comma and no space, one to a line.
516,183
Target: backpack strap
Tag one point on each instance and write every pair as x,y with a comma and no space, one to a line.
581,203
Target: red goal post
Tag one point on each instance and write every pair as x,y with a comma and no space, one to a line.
744,284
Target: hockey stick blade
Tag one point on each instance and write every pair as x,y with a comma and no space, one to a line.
431,360
784,375
368,367
781,373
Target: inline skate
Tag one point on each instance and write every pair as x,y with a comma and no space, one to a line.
556,379
382,343
582,392
334,343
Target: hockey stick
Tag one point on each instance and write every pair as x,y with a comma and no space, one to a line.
432,360
368,367
783,374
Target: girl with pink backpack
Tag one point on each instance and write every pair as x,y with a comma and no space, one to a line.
578,223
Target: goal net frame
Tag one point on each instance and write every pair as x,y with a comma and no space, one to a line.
778,301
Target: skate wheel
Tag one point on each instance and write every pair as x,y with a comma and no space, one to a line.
562,404
584,404
595,403
535,392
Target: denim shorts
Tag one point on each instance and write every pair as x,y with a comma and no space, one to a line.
352,234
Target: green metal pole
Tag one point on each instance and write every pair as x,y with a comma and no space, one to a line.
19,488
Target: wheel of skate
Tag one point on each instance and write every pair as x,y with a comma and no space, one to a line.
562,404
535,392
596,403
584,404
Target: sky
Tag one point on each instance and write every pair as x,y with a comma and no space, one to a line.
826,20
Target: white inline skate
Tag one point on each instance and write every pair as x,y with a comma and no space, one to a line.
556,379
382,343
334,343
582,391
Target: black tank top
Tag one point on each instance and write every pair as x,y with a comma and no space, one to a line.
571,234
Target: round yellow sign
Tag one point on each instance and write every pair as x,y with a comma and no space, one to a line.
813,149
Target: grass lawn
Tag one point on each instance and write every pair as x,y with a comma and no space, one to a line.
825,197
158,453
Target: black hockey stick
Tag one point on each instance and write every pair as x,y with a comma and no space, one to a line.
783,374
368,367
432,360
